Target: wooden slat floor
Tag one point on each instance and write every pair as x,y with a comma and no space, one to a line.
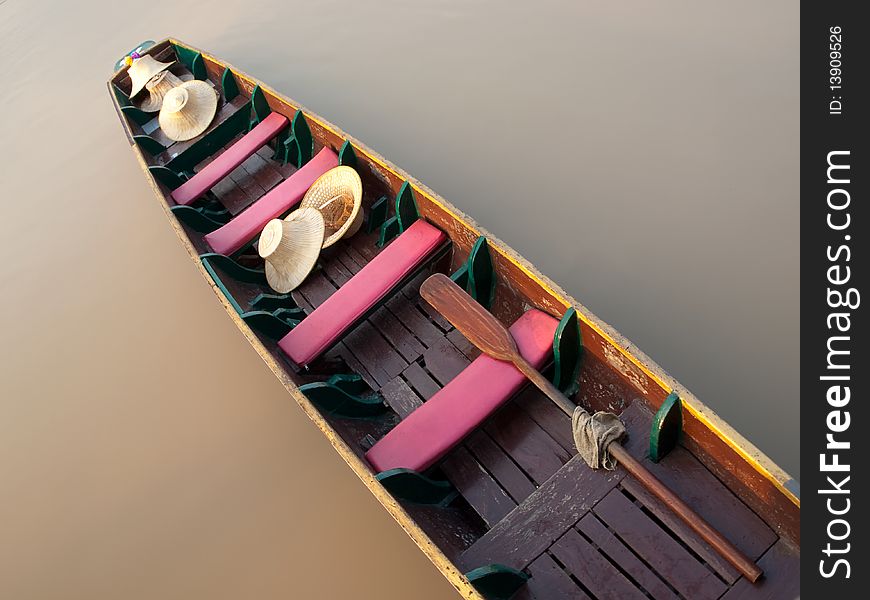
526,500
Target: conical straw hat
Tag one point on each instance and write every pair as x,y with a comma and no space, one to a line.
187,110
337,194
142,70
291,247
157,87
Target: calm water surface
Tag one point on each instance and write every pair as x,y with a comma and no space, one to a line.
644,155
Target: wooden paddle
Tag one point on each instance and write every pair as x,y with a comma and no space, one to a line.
487,333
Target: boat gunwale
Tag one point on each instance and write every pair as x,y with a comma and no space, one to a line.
743,448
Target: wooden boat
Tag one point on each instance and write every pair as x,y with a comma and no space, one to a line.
505,509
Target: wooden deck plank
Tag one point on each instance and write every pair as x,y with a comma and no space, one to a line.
415,321
655,546
543,517
477,486
463,345
709,497
529,445
782,578
546,414
401,339
251,188
444,361
375,353
337,273
233,197
421,381
508,474
316,289
400,397
619,553
588,565
549,582
676,525
262,171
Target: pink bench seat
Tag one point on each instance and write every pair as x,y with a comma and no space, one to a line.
465,403
231,158
326,324
250,222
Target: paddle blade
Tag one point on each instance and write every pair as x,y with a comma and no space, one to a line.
474,322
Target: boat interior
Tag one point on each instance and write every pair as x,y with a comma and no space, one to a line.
499,493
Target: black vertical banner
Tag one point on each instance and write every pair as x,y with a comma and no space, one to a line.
834,264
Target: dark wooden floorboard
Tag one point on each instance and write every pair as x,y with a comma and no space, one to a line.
529,445
586,564
619,553
701,490
415,321
477,486
399,337
505,470
782,577
549,416
673,562
444,361
543,517
463,345
421,381
375,353
549,582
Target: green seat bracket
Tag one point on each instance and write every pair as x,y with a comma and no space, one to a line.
140,117
299,145
333,399
350,383
229,85
411,486
271,302
567,354
273,324
192,60
406,213
166,176
377,214
195,218
477,275
496,582
667,427
347,156
149,144
259,107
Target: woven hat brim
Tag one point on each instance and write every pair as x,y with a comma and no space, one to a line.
138,86
154,99
196,115
287,276
339,180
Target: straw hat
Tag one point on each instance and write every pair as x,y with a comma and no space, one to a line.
142,70
157,88
291,248
337,194
187,110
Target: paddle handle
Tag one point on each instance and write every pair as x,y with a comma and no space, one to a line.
696,522
726,549
543,384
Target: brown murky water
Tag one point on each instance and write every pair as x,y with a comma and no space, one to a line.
643,154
